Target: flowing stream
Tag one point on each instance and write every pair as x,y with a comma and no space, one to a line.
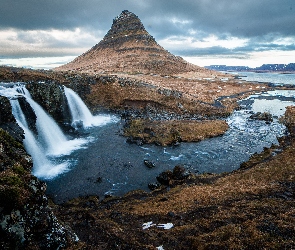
100,162
112,166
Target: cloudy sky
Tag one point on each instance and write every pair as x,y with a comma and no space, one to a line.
205,32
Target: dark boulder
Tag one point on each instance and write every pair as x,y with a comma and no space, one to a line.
29,113
149,164
175,177
165,177
180,173
265,116
153,186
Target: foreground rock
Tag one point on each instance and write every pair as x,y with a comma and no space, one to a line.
26,220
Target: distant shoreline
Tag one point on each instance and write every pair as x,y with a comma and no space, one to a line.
265,68
261,71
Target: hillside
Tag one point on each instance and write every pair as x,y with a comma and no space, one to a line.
128,47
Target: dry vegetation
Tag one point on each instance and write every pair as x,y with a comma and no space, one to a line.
247,209
169,132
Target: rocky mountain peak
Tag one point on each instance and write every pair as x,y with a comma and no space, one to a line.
126,26
126,16
128,47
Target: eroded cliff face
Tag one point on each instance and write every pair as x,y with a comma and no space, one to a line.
26,220
51,97
7,120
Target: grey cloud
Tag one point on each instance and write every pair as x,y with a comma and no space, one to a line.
256,44
262,21
241,18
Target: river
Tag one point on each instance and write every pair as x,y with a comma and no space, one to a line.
109,165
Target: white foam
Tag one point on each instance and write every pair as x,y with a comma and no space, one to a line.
51,170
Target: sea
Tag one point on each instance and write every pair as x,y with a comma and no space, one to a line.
275,78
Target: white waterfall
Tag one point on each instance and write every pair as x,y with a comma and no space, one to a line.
42,166
49,133
50,136
50,140
81,114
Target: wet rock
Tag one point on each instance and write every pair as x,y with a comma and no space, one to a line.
135,140
165,177
180,173
98,180
77,125
7,120
149,164
50,95
5,111
265,116
153,186
29,113
175,177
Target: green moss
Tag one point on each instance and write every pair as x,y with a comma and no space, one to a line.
11,181
8,142
9,197
18,169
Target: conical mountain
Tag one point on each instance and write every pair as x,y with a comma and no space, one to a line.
129,48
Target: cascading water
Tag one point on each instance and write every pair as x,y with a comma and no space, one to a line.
49,141
49,133
42,166
80,113
78,109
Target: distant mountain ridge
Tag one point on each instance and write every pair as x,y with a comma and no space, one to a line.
264,67
128,47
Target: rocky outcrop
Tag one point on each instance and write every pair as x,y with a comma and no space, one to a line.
175,177
289,119
26,220
29,113
51,97
7,120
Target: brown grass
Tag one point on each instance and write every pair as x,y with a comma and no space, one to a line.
168,132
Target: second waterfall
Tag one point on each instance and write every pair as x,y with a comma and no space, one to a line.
81,116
